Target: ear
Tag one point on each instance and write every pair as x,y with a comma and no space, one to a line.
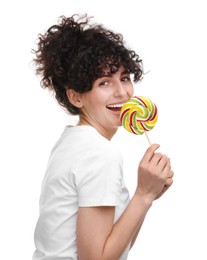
74,97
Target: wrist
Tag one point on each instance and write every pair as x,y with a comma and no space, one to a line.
145,200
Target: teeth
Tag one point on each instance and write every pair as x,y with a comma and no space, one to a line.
115,105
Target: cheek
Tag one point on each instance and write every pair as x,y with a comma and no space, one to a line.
131,90
93,105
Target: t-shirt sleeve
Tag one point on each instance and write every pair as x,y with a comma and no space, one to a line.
99,178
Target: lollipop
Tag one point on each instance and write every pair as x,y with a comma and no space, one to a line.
139,115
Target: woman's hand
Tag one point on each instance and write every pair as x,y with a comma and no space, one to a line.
154,174
98,237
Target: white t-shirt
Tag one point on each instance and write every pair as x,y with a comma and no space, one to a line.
84,170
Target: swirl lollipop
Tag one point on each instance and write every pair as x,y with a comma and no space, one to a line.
139,115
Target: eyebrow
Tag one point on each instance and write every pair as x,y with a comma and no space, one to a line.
125,72
109,74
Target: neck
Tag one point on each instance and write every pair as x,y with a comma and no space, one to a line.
108,134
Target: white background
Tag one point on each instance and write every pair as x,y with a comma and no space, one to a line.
170,37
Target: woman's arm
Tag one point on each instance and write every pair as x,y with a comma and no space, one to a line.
135,235
167,185
97,237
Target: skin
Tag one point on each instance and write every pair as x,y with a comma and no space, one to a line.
112,89
97,237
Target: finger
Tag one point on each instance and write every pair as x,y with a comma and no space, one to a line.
169,182
167,170
164,162
150,152
162,192
170,174
155,159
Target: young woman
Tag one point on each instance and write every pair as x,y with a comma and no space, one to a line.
85,209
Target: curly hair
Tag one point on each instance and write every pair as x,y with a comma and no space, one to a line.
74,53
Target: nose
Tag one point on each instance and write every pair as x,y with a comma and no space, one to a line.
121,90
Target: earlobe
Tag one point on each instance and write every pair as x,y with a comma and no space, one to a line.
74,98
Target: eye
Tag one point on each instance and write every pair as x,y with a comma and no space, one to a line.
103,83
125,79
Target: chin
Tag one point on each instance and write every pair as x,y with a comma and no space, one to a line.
117,124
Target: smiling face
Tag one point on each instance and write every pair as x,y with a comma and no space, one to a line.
101,106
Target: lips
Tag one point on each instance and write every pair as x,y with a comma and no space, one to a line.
115,107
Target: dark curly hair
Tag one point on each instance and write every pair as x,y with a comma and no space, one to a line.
74,53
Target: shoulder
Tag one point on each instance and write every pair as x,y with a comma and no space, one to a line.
102,149
86,141
92,151
83,149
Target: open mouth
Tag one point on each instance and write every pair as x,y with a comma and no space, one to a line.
115,107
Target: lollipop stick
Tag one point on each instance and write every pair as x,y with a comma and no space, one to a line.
147,137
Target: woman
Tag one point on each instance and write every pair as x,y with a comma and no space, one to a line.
85,209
